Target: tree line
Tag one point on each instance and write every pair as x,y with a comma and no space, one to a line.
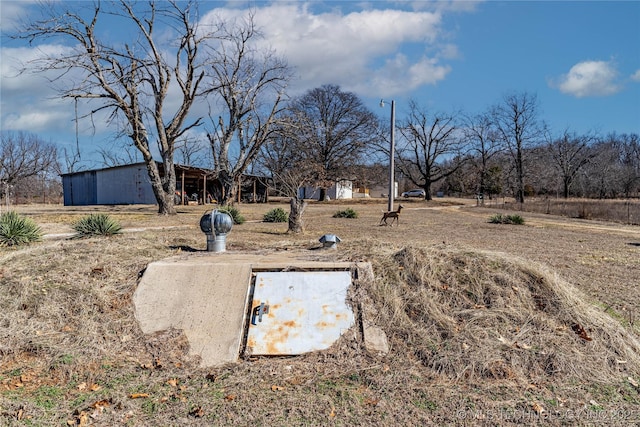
212,86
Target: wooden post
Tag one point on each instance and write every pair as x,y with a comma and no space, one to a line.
254,191
204,189
182,189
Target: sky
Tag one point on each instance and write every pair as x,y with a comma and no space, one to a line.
580,58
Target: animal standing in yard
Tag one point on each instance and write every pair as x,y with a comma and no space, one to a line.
394,215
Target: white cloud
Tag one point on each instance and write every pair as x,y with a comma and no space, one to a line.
357,50
12,12
590,78
30,100
636,76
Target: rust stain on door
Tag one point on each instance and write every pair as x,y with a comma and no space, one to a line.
301,312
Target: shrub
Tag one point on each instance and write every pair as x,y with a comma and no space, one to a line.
96,225
347,213
276,215
234,213
16,230
506,219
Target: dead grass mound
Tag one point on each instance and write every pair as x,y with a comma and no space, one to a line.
476,316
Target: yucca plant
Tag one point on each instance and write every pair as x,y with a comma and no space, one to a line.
234,213
276,215
16,230
96,225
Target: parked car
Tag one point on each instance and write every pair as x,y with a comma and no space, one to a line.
417,192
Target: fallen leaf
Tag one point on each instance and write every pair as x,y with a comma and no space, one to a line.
230,397
138,395
97,271
100,404
503,340
581,332
20,414
173,382
197,412
81,386
276,388
332,413
94,387
538,408
83,419
522,345
371,402
182,387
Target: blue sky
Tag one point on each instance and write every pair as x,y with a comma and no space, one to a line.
581,59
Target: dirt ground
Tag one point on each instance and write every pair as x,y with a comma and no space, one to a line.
525,353
600,258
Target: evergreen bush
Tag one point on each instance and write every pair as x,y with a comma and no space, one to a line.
276,215
234,213
347,213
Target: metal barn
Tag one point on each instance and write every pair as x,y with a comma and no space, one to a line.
119,185
129,184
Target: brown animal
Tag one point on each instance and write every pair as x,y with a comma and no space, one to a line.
394,215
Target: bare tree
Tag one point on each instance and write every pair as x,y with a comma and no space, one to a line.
516,120
193,152
569,154
23,156
288,168
250,86
333,132
484,143
121,153
426,142
131,79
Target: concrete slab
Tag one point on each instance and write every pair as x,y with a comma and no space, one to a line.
206,296
205,300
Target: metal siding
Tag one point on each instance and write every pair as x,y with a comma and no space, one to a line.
124,185
80,189
307,312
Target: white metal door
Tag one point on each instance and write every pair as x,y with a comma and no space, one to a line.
298,312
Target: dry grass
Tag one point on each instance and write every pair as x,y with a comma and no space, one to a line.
622,211
486,325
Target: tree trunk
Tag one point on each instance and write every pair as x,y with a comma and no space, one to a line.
296,223
229,188
163,189
519,177
427,190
